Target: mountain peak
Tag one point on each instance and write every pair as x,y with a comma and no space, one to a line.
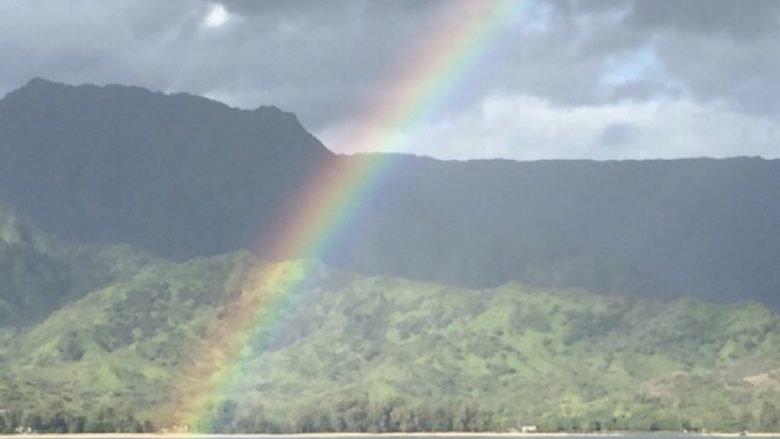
41,82
34,85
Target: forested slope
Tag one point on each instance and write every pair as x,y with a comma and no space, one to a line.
378,353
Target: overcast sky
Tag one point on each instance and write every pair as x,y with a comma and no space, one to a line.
579,79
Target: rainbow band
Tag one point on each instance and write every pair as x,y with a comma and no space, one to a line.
330,200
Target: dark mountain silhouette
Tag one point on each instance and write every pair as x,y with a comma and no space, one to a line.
176,174
183,176
702,226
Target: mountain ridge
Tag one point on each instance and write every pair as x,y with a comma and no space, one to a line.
106,151
185,176
39,85
46,84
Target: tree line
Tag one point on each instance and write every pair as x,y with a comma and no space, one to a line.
358,415
44,421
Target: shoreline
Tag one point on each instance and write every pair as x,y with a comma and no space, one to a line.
368,435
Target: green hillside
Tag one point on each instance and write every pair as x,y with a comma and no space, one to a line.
102,345
38,274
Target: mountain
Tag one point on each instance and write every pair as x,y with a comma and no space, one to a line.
183,176
176,174
697,226
379,353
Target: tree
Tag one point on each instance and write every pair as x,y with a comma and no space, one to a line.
323,423
769,419
34,422
78,424
102,422
57,423
303,422
464,418
226,416
129,424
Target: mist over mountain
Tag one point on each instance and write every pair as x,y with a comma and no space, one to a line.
184,176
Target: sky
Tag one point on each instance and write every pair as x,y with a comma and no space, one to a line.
592,79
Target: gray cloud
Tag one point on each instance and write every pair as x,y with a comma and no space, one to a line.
736,19
326,60
617,134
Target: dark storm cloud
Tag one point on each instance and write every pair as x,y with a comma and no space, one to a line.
319,59
325,60
716,49
736,19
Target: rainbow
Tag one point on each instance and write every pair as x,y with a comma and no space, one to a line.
331,199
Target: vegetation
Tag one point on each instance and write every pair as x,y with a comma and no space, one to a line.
351,352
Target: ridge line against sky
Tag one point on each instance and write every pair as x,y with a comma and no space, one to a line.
572,80
173,94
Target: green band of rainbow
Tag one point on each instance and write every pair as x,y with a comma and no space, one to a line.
331,198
